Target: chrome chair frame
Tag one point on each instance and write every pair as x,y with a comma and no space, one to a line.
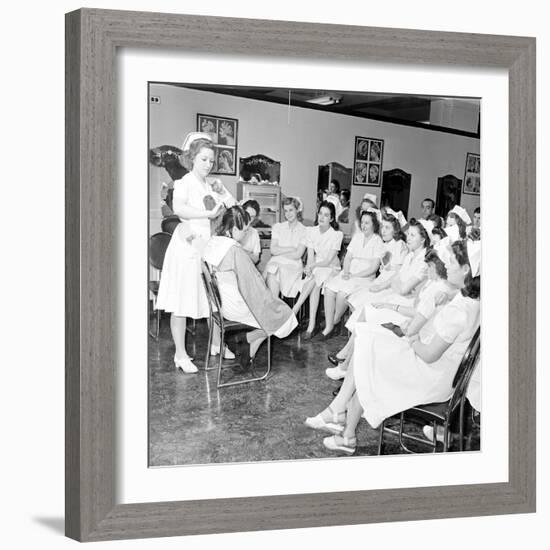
438,414
216,318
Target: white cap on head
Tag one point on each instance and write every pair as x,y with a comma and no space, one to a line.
375,211
370,197
474,256
398,215
443,249
461,213
193,136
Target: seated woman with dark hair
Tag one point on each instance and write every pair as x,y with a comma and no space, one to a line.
389,374
245,297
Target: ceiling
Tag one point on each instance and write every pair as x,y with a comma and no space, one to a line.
422,111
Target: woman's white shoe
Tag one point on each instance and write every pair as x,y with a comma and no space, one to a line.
335,373
185,365
318,423
347,446
429,433
227,353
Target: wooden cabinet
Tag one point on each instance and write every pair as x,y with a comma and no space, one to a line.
269,199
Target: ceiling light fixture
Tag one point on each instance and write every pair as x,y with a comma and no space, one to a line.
331,99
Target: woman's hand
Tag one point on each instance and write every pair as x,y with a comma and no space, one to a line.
215,211
217,186
308,271
440,298
382,305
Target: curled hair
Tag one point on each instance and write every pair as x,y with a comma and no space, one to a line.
439,232
432,257
413,222
461,224
332,210
374,219
437,221
252,204
188,156
360,208
236,216
297,205
471,284
398,234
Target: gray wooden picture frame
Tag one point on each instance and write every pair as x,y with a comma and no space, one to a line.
92,39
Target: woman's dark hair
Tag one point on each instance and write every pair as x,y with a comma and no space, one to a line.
432,257
471,284
332,210
358,210
252,204
437,221
477,210
461,225
346,194
336,184
236,216
374,219
188,156
475,234
398,234
439,231
422,230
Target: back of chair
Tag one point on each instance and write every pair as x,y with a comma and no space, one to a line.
158,244
465,369
169,224
212,289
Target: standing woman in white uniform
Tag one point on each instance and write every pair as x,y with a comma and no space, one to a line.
283,272
196,201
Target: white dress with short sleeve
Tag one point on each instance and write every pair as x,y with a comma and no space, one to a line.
390,377
181,289
288,271
363,251
251,241
324,245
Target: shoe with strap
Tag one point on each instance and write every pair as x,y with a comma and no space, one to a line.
319,423
347,445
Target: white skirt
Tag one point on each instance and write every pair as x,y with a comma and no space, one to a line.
181,289
288,273
353,284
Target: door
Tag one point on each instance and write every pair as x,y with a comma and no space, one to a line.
396,189
449,189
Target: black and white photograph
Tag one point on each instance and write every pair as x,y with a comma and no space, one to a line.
368,161
472,175
280,329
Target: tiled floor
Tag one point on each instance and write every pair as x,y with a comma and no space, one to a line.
193,423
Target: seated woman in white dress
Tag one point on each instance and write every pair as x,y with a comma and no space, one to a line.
389,374
283,272
245,297
359,269
456,224
407,320
367,203
402,287
323,245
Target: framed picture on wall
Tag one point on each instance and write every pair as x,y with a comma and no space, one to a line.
223,132
367,166
471,183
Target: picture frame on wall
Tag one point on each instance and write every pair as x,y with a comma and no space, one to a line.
223,132
367,166
93,511
472,175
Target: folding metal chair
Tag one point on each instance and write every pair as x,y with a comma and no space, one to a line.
439,414
225,326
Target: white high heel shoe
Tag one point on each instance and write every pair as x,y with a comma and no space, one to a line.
227,353
185,365
318,423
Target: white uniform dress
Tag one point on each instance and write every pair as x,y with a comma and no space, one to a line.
181,289
324,245
426,303
395,252
362,251
288,271
390,377
413,267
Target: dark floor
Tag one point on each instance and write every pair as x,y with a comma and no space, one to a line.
193,423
